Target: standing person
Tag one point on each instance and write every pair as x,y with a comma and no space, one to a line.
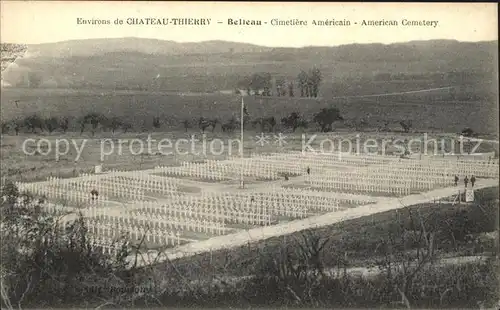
286,177
95,194
308,170
472,180
456,180
466,181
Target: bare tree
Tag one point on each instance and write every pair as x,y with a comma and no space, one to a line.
408,250
51,123
302,79
186,124
156,122
64,124
406,125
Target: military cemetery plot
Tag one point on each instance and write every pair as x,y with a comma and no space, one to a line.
169,206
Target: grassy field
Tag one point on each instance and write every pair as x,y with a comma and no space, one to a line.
471,105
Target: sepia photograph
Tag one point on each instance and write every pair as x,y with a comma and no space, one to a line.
249,155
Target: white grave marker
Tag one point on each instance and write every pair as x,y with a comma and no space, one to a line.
469,195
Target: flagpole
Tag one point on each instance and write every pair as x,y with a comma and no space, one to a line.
242,146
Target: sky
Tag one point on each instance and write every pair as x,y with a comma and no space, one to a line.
31,22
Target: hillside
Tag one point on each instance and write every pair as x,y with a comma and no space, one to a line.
93,47
147,64
140,78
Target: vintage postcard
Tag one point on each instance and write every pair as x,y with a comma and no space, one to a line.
249,155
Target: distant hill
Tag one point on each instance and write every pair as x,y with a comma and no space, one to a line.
150,64
93,47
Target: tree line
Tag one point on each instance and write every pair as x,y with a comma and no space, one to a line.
325,118
35,123
92,122
264,84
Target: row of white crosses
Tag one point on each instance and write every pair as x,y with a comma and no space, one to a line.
210,210
267,166
458,166
220,170
180,222
462,167
78,190
115,186
367,181
245,206
286,201
396,178
286,167
52,192
452,166
186,216
210,216
325,202
114,227
82,186
253,168
444,168
145,182
327,176
198,170
235,210
319,160
344,185
420,174
212,169
168,217
260,166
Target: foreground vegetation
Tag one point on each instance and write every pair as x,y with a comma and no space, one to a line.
44,266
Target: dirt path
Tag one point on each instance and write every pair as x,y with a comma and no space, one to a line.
365,272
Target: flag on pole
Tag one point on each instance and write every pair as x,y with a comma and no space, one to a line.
243,111
243,93
243,106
